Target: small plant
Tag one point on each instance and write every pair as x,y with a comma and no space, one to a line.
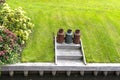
8,47
17,22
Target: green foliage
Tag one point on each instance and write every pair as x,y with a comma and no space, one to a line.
8,47
15,33
16,21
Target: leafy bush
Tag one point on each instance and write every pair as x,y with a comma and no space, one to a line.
8,47
15,33
16,21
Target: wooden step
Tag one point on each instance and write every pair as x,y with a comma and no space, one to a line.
72,54
67,46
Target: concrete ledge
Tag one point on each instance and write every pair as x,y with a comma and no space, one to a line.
54,67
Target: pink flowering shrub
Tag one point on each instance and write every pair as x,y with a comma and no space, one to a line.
13,39
8,47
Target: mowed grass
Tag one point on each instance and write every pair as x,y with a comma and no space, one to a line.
98,20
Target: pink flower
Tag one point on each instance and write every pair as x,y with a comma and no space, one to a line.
5,51
1,39
1,53
6,31
10,34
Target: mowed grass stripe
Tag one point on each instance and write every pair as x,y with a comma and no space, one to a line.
115,23
97,20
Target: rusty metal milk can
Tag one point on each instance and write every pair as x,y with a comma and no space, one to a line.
60,36
76,39
69,36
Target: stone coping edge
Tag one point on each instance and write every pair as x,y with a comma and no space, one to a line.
54,67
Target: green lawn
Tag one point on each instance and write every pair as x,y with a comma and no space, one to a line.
98,20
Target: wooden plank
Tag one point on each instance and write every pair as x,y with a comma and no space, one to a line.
55,51
11,73
41,73
84,59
